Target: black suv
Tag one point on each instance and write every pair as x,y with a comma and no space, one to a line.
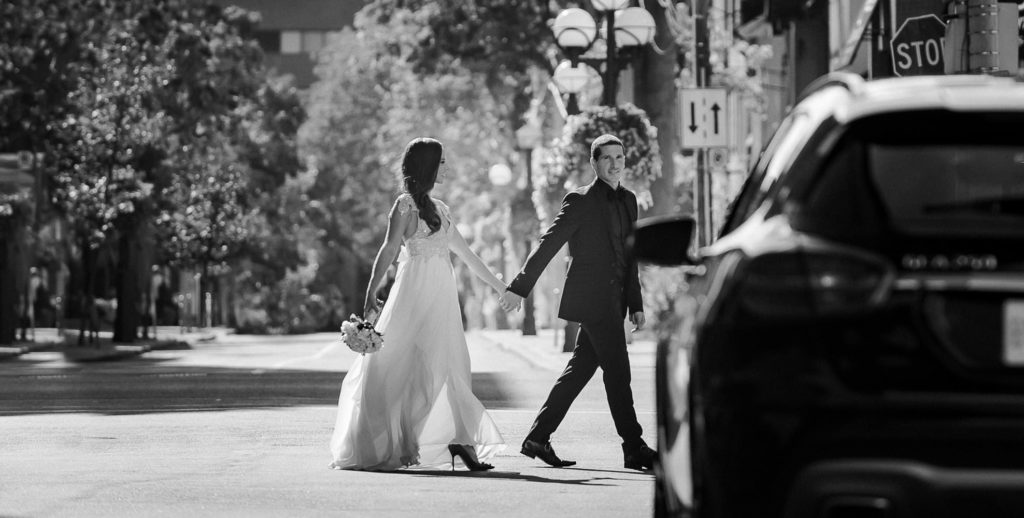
852,345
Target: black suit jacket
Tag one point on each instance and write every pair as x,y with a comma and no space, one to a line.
590,291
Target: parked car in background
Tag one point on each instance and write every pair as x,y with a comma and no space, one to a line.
852,345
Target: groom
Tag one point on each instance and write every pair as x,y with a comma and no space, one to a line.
601,284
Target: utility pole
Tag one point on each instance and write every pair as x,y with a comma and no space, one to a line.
702,73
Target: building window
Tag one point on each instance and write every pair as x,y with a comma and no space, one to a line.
291,42
269,41
312,41
294,42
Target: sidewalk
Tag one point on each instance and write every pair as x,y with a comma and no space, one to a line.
544,351
166,337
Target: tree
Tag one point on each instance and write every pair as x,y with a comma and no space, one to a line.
14,209
105,157
278,231
656,93
501,39
234,135
142,105
40,48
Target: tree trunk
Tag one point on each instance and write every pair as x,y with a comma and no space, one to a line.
8,292
656,94
126,321
204,284
88,322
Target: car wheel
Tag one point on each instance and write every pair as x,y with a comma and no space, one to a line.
666,505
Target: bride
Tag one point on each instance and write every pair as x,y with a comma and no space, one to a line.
411,404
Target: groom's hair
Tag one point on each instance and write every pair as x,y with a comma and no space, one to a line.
603,140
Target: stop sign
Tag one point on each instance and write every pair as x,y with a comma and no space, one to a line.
916,47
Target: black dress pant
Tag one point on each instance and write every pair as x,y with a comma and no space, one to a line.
601,343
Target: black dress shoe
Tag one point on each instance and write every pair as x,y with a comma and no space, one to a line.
534,449
640,459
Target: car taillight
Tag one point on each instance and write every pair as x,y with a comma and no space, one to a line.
807,283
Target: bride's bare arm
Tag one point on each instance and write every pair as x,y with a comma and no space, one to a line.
457,244
397,224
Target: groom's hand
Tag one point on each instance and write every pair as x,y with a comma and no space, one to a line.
638,321
510,301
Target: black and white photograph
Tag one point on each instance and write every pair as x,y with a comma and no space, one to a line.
512,258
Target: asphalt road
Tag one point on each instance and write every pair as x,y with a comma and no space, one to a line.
239,427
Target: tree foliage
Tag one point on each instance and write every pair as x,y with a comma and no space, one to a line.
150,114
503,40
369,101
104,153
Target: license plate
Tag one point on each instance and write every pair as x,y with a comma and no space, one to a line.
1013,332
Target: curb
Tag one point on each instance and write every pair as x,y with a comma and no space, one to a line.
89,353
12,352
104,350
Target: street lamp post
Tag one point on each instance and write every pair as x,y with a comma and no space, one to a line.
625,28
500,176
528,137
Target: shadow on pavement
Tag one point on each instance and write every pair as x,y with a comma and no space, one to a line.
152,389
507,475
623,470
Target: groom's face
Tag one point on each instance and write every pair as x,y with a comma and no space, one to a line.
611,164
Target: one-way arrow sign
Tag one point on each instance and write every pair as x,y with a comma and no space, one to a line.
704,116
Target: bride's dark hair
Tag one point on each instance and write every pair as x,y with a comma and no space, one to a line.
420,163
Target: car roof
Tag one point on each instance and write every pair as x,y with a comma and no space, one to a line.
978,92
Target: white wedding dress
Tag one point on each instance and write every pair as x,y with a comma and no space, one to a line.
402,406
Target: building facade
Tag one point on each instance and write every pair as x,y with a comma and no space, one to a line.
291,32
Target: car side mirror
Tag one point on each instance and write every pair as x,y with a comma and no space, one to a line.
663,240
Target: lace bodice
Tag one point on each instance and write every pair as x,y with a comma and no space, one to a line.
422,243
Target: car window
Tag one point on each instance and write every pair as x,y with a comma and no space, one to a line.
916,173
786,143
776,158
969,188
761,178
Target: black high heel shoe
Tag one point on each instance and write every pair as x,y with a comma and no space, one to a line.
468,458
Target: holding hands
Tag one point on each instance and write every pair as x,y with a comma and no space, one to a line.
510,301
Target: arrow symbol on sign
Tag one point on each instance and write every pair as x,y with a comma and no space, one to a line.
715,108
693,117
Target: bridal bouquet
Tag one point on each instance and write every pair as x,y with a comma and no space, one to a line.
360,336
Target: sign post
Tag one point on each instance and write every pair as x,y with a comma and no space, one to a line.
704,123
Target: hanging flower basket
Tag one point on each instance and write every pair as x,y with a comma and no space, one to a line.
568,162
